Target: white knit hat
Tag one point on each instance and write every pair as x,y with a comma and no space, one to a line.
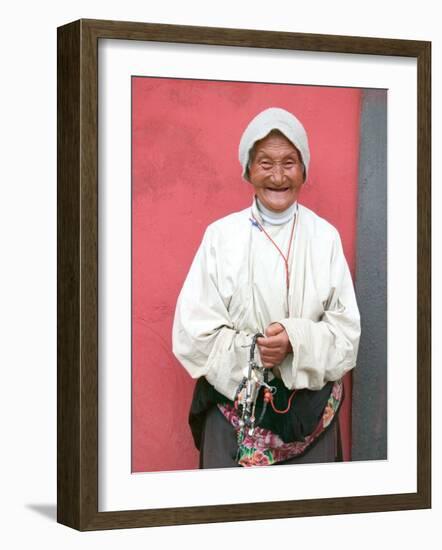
270,119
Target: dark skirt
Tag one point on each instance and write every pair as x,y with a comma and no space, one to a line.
219,444
216,438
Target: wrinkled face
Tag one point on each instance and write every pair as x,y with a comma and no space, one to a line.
276,172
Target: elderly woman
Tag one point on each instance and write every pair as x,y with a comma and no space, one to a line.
275,269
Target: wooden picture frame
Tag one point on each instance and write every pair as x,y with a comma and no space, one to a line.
77,313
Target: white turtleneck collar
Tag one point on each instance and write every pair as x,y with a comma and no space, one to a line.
276,218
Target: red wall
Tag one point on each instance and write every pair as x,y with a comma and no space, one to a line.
185,174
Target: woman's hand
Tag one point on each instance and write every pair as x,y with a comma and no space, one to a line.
275,346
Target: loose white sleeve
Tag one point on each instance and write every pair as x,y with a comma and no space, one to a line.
205,340
325,350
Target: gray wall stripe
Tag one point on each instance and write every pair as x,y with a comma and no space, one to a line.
369,411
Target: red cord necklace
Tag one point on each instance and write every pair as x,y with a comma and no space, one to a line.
268,395
285,258
268,398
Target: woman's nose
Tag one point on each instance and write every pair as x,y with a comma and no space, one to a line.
277,173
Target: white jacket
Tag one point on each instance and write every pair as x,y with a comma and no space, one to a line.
236,286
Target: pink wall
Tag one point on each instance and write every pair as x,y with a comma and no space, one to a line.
186,175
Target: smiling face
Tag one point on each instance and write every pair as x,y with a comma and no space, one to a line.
276,172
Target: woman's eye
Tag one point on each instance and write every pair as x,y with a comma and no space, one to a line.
266,165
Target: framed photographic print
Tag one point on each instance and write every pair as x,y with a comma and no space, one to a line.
150,119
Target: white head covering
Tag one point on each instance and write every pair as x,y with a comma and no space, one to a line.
270,119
